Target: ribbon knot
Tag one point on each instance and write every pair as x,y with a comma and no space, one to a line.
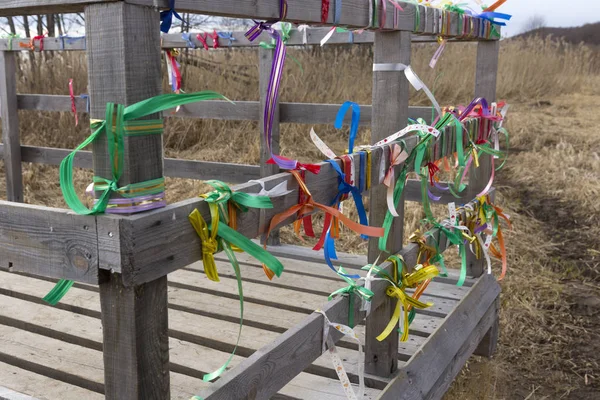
166,17
352,289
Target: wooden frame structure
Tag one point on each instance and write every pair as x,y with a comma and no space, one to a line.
129,257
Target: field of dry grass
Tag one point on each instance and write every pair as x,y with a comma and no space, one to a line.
550,319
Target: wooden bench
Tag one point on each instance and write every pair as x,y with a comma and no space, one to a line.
143,322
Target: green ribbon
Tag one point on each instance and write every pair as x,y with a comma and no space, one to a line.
228,237
125,117
350,290
286,29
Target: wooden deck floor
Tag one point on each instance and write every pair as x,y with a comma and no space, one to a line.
56,352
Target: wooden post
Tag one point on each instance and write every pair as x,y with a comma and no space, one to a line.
390,114
265,61
10,127
123,43
485,86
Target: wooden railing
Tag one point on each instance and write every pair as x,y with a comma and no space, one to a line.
129,257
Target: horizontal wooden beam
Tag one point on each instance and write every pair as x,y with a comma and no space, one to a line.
298,113
355,13
49,242
163,241
176,168
30,7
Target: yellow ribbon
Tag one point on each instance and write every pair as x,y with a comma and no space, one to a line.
209,239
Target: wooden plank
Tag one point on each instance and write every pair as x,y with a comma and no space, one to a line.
30,7
485,86
50,102
177,168
390,111
124,67
453,369
424,369
10,127
48,242
355,13
297,113
40,386
265,61
7,394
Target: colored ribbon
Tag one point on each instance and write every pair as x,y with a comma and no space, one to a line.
173,72
397,157
218,200
187,38
227,36
338,366
352,289
307,206
166,17
73,105
31,44
339,121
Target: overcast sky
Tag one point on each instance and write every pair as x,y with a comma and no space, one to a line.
558,13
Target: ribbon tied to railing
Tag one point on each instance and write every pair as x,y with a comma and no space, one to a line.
223,203
166,17
351,290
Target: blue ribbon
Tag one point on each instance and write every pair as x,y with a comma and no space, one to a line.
227,36
70,40
489,15
87,102
166,17
188,39
339,121
337,12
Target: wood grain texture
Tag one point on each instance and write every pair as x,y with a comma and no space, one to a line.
10,127
355,13
390,114
453,369
124,68
420,374
485,86
136,340
48,242
488,344
265,61
29,7
177,168
7,394
297,113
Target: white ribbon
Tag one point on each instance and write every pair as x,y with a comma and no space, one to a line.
323,148
410,128
328,36
303,28
337,361
279,190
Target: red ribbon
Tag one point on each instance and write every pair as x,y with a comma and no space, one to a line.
433,169
324,11
314,168
202,39
215,39
73,105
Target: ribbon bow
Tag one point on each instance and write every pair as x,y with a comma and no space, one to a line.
307,206
166,17
350,290
227,36
397,157
229,240
421,276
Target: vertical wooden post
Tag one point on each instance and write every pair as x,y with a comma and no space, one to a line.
485,86
124,67
10,127
265,61
390,114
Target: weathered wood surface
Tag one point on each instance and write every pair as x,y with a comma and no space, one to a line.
423,370
390,111
298,113
29,7
176,168
10,127
49,242
485,86
355,13
124,68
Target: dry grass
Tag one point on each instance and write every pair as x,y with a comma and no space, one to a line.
549,341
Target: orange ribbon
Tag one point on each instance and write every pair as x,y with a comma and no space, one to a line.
307,207
494,6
